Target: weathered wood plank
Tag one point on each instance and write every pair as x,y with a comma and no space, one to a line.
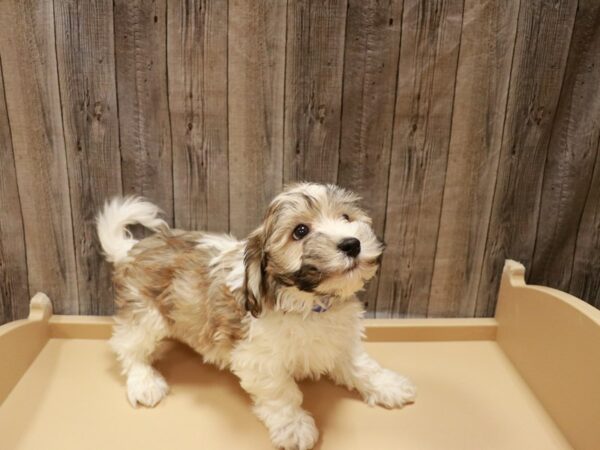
370,74
585,271
585,281
483,75
571,154
27,46
427,70
14,292
144,122
256,83
541,49
86,71
313,89
197,64
504,164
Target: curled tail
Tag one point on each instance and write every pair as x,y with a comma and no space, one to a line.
112,222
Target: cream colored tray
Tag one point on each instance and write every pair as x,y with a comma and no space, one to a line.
527,379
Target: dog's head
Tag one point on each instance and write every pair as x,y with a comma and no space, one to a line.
314,241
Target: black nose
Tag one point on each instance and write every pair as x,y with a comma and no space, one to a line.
350,246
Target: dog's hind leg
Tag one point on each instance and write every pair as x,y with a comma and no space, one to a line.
134,341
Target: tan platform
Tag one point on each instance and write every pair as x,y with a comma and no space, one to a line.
528,379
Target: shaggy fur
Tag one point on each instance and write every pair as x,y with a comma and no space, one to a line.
274,308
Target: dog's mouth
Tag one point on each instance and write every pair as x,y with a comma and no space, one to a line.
355,265
360,264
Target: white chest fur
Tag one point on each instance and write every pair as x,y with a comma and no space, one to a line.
301,345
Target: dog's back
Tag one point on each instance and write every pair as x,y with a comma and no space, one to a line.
170,284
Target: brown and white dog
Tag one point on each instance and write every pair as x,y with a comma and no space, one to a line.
274,308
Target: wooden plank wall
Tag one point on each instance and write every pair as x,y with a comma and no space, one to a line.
470,128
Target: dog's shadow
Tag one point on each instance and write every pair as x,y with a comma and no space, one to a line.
220,390
322,399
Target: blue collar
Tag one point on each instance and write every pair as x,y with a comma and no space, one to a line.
323,305
319,309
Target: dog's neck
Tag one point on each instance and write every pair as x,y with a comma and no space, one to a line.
291,299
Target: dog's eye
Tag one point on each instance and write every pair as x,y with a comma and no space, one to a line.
346,217
300,231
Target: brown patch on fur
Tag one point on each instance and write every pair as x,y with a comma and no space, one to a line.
307,278
170,273
256,283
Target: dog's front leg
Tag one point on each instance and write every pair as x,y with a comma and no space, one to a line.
277,402
376,385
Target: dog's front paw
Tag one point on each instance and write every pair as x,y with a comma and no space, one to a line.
146,387
299,433
390,390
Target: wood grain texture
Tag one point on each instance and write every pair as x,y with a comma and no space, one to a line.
14,292
585,281
313,89
571,154
541,49
142,94
197,65
257,33
86,69
370,75
482,83
427,71
27,47
470,128
585,270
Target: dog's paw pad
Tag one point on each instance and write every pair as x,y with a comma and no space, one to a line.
391,390
146,388
298,434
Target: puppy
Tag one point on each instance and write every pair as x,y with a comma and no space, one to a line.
274,308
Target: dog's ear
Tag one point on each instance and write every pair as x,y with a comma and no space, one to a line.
255,278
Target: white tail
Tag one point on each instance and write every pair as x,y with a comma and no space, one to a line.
112,222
